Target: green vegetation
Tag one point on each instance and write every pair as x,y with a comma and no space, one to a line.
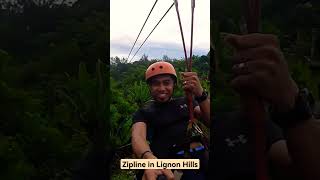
130,91
53,90
57,102
296,23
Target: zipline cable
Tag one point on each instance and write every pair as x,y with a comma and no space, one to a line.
142,28
152,31
181,31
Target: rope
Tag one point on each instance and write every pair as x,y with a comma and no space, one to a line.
192,17
188,66
142,27
192,119
181,31
255,107
192,125
188,94
152,31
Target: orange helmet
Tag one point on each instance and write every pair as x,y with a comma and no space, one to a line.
158,68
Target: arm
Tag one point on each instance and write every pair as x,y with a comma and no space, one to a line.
304,148
140,145
299,155
302,141
260,68
192,83
281,163
139,141
203,111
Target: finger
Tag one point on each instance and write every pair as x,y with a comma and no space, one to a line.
243,83
188,82
264,52
147,177
253,67
187,74
189,88
154,175
240,42
250,82
191,78
158,172
240,69
185,83
168,173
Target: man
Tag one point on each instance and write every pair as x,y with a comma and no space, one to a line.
166,118
293,148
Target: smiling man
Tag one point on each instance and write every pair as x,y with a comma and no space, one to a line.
164,120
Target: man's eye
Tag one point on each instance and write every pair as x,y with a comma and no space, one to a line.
155,83
166,83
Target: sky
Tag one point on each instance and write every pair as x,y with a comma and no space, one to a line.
128,16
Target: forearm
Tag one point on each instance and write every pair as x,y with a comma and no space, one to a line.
303,146
140,146
205,110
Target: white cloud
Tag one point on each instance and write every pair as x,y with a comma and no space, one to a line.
127,17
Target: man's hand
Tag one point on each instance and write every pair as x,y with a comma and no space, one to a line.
152,174
168,173
259,68
191,83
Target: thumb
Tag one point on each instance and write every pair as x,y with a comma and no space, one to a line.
168,173
144,177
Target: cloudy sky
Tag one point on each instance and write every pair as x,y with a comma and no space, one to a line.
128,16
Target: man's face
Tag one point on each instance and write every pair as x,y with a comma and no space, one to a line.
161,88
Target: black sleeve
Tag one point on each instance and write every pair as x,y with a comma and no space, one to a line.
138,116
274,133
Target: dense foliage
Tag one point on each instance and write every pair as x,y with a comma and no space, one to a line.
53,89
130,92
297,25
57,102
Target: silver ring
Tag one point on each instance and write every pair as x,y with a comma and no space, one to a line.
241,65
